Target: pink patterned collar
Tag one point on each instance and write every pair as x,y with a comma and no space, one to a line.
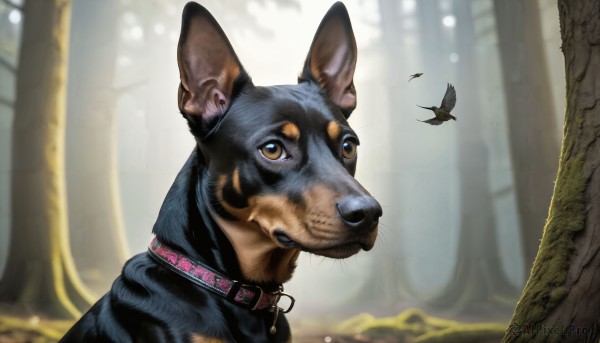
252,297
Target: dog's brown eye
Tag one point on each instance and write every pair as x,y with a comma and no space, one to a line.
348,149
273,151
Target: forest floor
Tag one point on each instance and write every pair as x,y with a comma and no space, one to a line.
410,326
15,329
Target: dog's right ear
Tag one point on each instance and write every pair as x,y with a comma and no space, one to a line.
332,57
208,67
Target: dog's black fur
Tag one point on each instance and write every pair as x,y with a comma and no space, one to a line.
271,175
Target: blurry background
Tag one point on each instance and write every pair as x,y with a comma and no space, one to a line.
464,203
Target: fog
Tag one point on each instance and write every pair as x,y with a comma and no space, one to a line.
451,237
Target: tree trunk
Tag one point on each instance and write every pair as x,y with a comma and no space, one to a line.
533,140
40,276
95,218
561,302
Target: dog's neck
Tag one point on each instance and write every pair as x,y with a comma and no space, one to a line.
240,250
185,224
260,259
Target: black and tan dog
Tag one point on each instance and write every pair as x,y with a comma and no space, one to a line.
271,176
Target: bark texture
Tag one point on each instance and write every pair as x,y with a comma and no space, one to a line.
40,276
561,300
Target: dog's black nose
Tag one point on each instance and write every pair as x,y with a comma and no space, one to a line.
360,212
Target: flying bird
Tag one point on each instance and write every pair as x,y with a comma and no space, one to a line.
414,76
442,113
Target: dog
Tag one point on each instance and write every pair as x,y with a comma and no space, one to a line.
271,175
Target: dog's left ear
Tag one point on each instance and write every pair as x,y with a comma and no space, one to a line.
208,67
331,59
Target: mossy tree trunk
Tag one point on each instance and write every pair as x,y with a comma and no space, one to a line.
40,276
534,145
563,289
95,218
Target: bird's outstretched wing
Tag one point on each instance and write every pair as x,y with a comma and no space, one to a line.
432,121
449,100
414,76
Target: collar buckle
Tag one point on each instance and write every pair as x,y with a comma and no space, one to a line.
276,309
280,293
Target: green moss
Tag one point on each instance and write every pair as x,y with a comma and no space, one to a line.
546,285
417,326
398,326
464,333
412,316
355,324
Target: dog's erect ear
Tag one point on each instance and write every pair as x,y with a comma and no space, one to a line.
208,66
332,59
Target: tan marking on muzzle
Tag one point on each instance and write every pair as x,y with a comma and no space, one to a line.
312,223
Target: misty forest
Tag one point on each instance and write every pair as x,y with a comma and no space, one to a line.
489,230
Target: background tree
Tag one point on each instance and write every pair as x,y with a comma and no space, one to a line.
95,216
40,276
478,282
562,291
387,288
534,146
